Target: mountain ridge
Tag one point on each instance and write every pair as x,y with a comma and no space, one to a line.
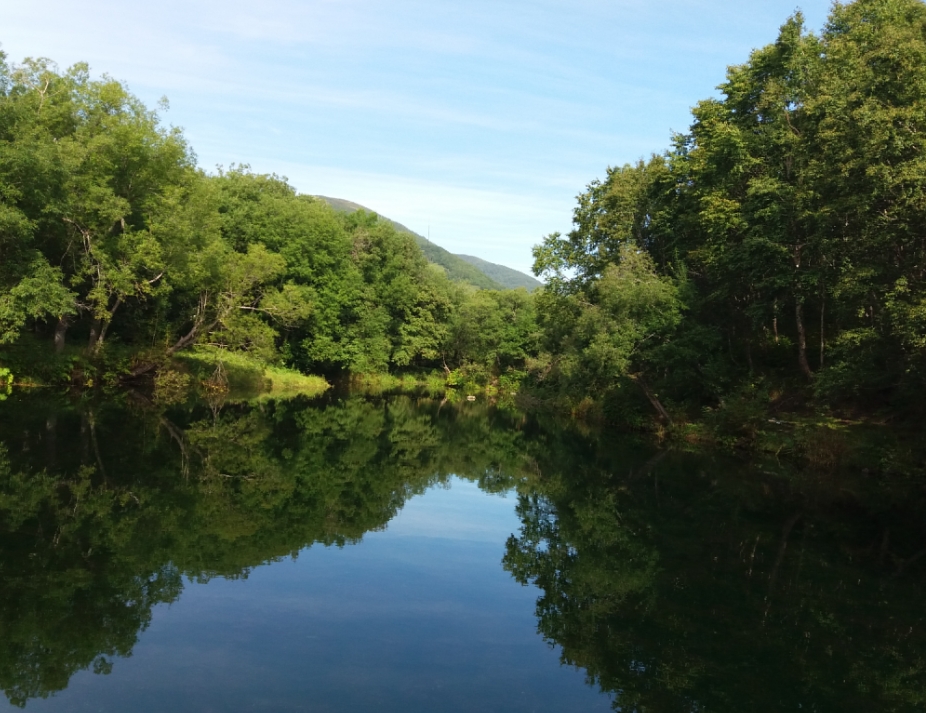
502,274
465,268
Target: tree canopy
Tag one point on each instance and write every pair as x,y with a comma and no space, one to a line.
789,219
110,233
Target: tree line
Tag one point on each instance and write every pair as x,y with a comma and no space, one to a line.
776,251
111,238
772,259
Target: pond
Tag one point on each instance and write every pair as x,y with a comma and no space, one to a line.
404,554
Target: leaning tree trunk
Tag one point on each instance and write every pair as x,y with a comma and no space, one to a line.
186,341
651,397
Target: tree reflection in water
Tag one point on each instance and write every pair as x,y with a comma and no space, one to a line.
104,509
678,583
696,586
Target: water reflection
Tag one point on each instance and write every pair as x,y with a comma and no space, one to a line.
697,586
677,583
104,508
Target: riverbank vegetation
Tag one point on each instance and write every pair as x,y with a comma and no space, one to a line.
761,283
113,240
773,260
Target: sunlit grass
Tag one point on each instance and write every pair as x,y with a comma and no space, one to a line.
432,383
247,378
289,382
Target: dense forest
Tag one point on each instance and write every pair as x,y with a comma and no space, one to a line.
112,238
772,261
776,254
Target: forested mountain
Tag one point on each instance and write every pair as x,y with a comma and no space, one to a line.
486,275
457,269
505,276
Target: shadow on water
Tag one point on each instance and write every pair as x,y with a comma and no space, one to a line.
677,582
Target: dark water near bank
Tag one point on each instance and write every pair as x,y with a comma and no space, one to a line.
404,555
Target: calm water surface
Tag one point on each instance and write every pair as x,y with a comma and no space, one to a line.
406,555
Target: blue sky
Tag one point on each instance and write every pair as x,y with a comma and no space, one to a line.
477,121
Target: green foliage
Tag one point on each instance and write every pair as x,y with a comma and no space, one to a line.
614,330
109,233
38,294
354,292
789,218
777,242
6,382
496,330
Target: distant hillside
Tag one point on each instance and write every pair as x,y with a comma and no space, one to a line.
456,268
343,206
505,276
463,268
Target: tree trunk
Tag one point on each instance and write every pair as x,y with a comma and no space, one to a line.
105,325
651,397
95,330
801,338
61,330
185,341
100,327
775,319
822,325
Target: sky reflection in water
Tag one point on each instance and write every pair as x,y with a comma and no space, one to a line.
419,617
676,581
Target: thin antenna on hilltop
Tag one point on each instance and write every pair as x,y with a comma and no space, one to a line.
429,232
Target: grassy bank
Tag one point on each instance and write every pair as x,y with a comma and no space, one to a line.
238,376
458,384
432,383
